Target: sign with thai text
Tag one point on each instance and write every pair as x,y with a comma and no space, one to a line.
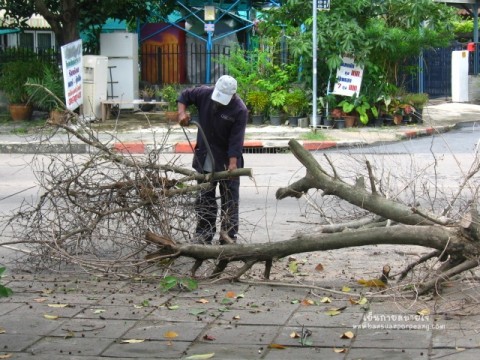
323,4
349,78
72,73
209,27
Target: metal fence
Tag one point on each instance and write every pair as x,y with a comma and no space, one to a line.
174,64
25,54
437,71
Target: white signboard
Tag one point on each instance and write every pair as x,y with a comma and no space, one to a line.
209,27
349,78
72,74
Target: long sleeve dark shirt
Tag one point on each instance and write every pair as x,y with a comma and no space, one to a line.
223,125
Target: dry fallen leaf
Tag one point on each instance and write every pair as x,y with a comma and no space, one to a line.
372,283
50,317
2,330
40,300
230,295
277,346
333,312
200,356
202,301
326,300
208,337
132,341
170,335
423,312
346,289
361,301
294,335
307,302
57,305
236,317
339,351
6,356
319,267
347,335
293,267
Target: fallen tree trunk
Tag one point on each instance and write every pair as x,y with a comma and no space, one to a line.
413,228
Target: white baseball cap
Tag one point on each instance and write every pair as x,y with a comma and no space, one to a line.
225,88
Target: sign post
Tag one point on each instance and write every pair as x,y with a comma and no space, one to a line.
72,74
317,5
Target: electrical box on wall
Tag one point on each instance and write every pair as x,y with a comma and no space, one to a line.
95,78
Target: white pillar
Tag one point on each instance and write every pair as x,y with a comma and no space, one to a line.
460,76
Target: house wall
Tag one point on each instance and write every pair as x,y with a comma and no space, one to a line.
163,39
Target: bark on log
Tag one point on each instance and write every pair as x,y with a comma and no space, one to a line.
435,237
317,178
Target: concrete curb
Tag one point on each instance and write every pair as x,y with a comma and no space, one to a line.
410,134
185,147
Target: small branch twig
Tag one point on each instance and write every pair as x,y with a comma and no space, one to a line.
371,177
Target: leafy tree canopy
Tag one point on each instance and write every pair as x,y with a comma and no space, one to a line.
68,17
375,32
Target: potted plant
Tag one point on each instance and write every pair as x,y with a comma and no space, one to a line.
47,93
355,107
13,77
383,107
328,103
277,101
258,101
147,94
170,95
296,102
418,101
400,110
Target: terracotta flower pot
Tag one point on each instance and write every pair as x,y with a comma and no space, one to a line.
397,119
21,112
350,120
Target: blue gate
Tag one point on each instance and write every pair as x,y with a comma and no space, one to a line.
437,71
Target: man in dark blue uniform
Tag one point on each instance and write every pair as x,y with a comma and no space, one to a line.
223,118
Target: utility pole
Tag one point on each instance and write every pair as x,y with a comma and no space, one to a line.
316,5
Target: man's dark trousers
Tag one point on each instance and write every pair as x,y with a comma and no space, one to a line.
206,208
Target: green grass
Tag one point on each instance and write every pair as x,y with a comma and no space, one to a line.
314,135
18,127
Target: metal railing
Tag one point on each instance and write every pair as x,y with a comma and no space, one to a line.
175,64
25,54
